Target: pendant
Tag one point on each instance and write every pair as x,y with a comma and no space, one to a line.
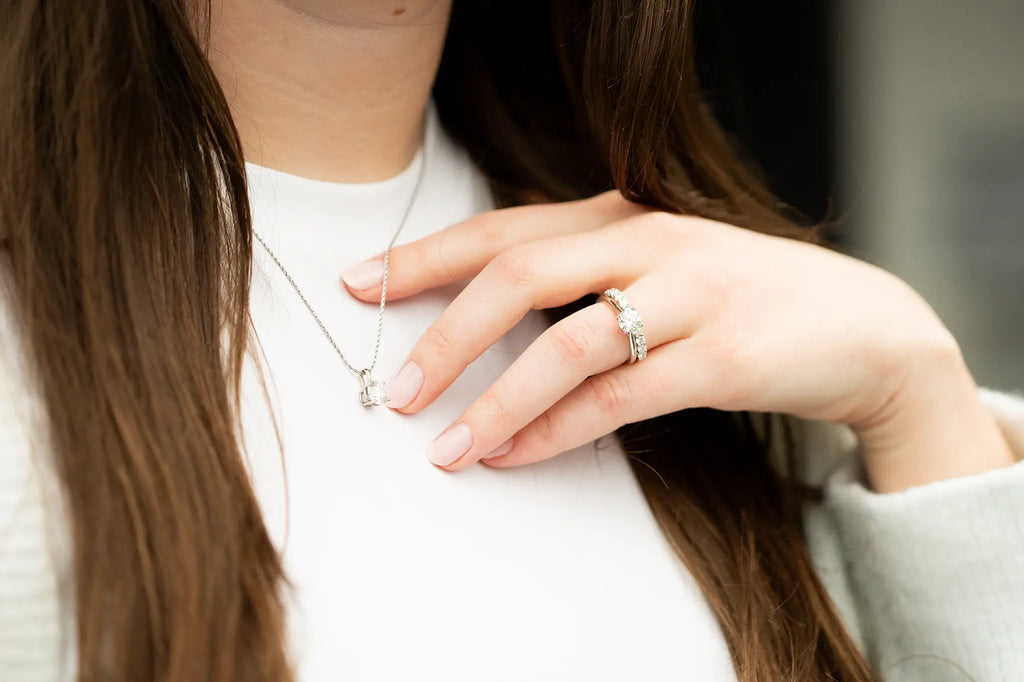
374,393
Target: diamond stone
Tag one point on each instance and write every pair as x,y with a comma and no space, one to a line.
375,394
616,296
629,321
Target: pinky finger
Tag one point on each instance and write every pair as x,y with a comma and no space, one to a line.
668,380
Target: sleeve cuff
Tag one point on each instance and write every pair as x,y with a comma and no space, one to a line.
936,572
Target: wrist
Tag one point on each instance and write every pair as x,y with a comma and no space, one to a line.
934,427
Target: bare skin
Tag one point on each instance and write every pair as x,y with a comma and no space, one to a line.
734,320
327,89
336,89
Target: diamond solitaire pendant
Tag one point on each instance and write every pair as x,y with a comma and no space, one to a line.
374,393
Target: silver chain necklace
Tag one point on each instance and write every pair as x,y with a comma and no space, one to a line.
373,392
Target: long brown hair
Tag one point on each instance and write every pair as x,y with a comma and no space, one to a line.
123,207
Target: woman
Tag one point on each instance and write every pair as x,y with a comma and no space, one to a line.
191,490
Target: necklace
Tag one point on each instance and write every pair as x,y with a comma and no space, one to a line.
373,392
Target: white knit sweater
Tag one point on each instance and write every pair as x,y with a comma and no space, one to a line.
554,571
930,580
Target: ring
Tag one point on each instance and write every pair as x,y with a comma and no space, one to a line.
629,322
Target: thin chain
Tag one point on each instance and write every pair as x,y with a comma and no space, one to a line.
384,280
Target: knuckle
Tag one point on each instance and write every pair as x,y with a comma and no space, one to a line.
572,342
724,351
717,285
940,344
664,228
732,376
609,392
512,267
437,339
494,410
617,206
413,258
433,256
544,427
486,227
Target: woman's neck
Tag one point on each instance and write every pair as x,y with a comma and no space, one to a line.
328,89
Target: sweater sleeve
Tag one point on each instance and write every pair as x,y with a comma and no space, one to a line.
931,579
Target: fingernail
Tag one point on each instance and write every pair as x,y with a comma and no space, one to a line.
364,275
450,445
406,384
502,449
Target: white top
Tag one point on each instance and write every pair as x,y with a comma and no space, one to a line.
554,571
549,572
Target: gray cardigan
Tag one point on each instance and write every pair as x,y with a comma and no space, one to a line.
929,580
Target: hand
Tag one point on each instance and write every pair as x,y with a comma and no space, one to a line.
734,320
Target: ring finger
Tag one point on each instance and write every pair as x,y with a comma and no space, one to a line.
586,343
609,400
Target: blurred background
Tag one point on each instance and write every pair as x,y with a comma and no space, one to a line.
901,124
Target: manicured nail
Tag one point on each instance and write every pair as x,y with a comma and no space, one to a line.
450,445
502,449
364,275
405,386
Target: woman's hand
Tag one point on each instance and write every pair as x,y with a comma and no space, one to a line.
734,320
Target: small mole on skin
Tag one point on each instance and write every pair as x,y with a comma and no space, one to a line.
398,11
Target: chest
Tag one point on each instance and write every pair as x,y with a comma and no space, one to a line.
553,571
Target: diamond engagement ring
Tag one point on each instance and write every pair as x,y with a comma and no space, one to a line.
629,322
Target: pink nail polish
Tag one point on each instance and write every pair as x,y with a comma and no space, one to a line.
364,275
405,386
450,445
502,449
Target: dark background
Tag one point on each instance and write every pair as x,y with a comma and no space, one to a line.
767,71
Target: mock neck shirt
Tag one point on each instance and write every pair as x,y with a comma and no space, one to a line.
400,570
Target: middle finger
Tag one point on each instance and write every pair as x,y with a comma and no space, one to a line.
542,274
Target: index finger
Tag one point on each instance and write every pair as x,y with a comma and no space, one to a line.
462,250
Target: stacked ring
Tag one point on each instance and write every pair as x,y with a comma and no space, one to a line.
629,322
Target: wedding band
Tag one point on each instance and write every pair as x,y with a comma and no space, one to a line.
629,322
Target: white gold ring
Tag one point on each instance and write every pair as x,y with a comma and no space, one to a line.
629,322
